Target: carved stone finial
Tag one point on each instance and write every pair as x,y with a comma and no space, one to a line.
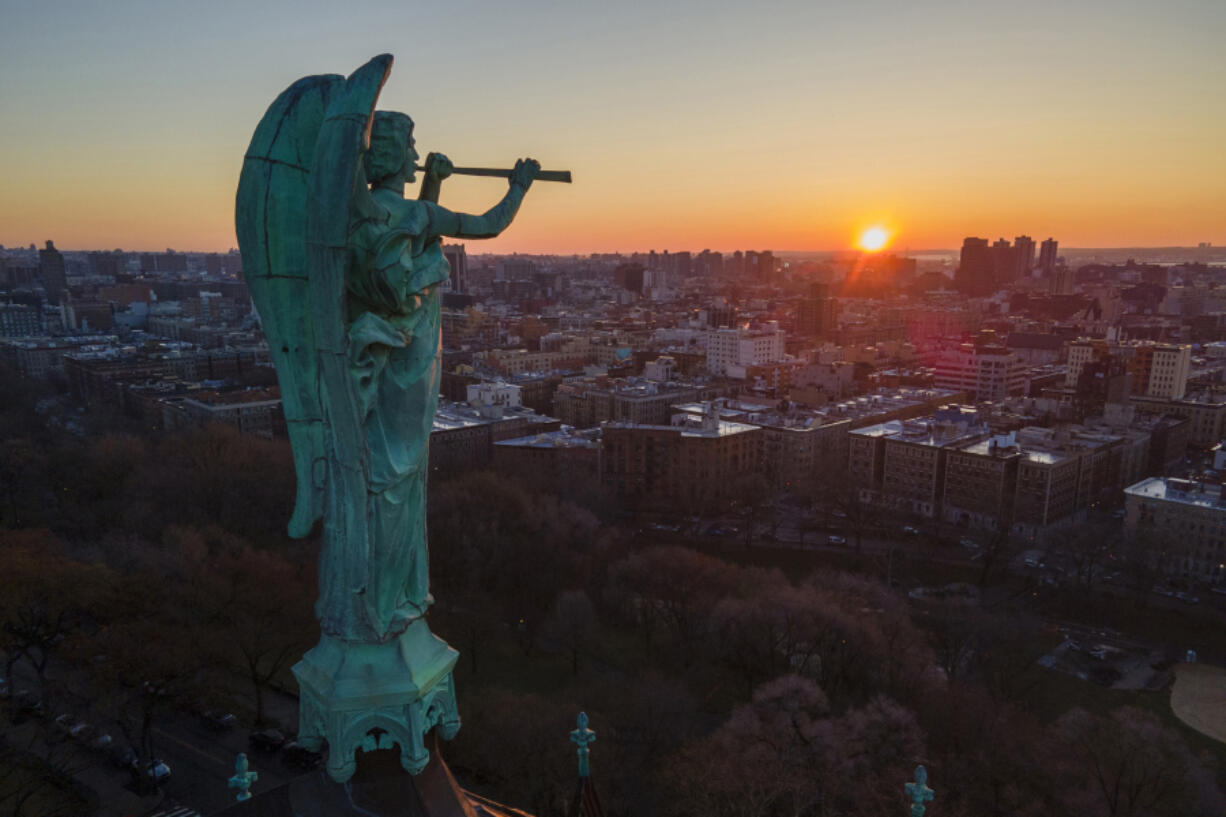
583,736
243,778
919,792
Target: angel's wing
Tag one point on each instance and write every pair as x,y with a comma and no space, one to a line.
338,201
271,221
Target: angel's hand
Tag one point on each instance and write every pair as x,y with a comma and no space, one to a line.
438,167
524,173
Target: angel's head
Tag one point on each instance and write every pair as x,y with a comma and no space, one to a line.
392,157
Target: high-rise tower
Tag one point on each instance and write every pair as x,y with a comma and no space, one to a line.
51,271
974,275
1047,257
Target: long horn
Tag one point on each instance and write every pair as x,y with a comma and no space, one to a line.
541,176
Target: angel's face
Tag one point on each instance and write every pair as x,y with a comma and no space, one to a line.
410,161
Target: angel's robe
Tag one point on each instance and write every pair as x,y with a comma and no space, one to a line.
395,366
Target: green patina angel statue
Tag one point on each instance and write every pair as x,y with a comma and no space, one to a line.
394,351
345,274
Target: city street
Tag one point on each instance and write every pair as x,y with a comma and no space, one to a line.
201,758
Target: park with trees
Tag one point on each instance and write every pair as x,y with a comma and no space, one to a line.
143,572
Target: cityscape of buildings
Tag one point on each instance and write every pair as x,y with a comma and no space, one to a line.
1009,390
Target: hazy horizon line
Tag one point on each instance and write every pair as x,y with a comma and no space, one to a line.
849,251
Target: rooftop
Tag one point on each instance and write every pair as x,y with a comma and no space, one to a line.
1183,491
214,397
690,426
925,432
565,438
450,416
882,401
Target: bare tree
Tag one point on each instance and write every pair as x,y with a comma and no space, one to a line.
36,777
258,614
1084,548
153,659
675,589
44,597
572,625
1133,766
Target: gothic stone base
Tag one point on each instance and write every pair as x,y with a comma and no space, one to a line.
402,688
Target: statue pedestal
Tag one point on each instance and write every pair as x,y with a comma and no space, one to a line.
374,696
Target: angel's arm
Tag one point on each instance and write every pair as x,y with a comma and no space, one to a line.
444,222
438,167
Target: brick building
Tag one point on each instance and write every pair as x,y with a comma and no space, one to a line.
1185,522
696,465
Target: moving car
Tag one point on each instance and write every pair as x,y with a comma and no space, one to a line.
219,720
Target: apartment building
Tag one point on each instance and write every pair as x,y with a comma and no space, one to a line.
981,482
1063,473
985,372
1158,370
802,451
565,462
1205,411
587,402
1184,521
1161,370
900,465
254,411
743,348
696,464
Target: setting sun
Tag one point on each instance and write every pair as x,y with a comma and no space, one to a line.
873,239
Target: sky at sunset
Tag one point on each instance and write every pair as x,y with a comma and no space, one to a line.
785,126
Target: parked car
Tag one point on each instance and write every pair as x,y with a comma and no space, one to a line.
836,540
911,530
102,743
298,755
157,771
268,740
968,543
219,720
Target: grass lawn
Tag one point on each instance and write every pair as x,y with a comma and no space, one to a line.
1199,698
1056,693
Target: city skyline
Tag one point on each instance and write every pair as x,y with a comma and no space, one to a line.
795,128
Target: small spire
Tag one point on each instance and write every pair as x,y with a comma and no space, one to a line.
243,778
583,736
919,792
